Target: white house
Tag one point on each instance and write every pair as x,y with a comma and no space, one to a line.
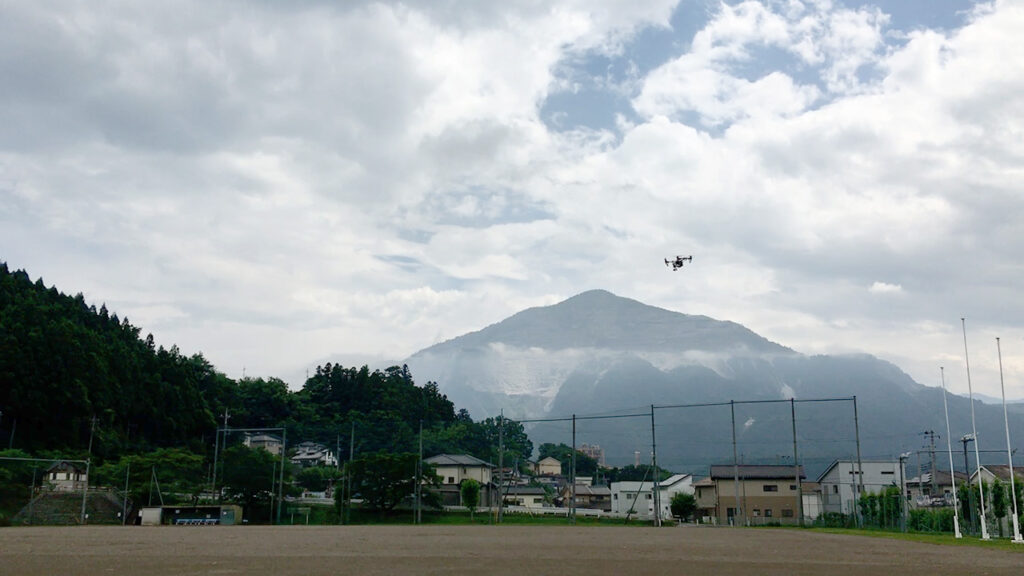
842,480
268,442
637,498
309,454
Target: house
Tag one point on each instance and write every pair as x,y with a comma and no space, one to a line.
548,467
767,494
268,442
633,498
527,496
308,454
587,496
669,487
453,469
922,492
67,476
842,481
990,472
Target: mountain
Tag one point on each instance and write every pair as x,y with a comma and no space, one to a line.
599,354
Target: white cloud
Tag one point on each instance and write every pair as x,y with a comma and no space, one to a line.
273,185
884,288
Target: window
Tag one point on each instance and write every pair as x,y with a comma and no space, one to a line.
835,488
730,512
770,488
767,512
629,496
615,496
648,496
888,472
451,480
757,512
787,513
792,486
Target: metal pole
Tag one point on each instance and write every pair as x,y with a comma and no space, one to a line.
124,508
860,464
903,494
273,482
88,461
735,467
572,475
419,480
501,464
280,484
348,476
32,496
967,472
14,426
949,446
1009,451
796,468
654,462
974,430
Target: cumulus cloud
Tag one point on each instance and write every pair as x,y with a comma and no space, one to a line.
248,178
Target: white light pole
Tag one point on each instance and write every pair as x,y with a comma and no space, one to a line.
974,433
1009,452
949,446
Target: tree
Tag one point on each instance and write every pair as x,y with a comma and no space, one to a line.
1000,502
683,505
470,490
250,475
385,479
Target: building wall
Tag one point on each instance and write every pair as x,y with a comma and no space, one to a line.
456,474
761,500
839,491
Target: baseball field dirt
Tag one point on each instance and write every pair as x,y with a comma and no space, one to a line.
479,550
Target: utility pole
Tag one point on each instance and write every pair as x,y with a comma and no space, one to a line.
930,434
967,472
216,454
419,480
903,493
860,463
124,508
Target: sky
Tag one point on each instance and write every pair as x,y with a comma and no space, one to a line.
281,184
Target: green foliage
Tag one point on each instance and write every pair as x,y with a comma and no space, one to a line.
470,491
683,505
179,474
636,474
250,474
384,479
881,509
317,478
938,520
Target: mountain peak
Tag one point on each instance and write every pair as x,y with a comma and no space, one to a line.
600,319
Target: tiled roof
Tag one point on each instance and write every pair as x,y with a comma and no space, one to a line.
754,472
457,460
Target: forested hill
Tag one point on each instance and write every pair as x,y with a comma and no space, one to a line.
62,362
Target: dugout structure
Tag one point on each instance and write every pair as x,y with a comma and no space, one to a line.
226,515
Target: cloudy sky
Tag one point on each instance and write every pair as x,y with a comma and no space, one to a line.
276,184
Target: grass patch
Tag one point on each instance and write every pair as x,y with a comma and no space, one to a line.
926,538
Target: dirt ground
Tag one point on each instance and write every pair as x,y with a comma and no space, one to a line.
478,550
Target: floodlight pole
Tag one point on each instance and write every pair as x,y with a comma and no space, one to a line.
572,475
1009,451
501,464
88,461
654,462
949,446
124,508
796,468
974,431
860,465
735,467
280,484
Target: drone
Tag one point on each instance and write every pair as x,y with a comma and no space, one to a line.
678,262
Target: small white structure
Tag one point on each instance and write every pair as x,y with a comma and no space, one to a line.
639,496
841,482
67,476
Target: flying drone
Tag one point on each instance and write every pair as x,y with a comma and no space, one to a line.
678,262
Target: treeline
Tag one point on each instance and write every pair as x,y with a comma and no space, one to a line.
69,370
